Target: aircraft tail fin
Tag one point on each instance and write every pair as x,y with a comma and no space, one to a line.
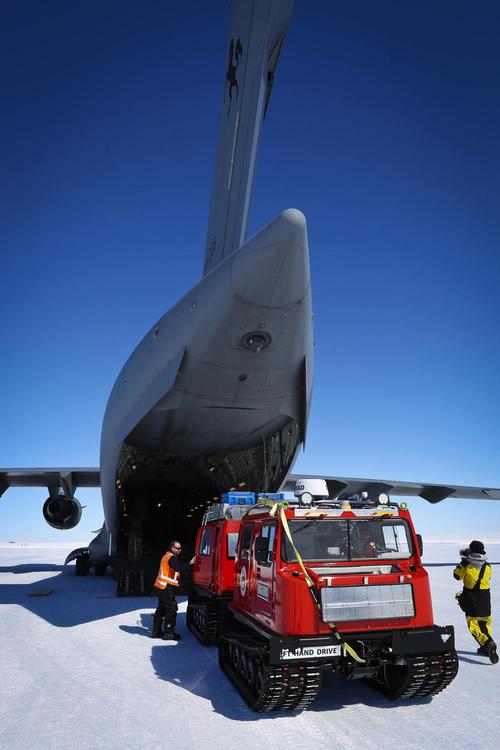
256,36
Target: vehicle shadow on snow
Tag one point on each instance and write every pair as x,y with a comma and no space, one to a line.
74,600
338,692
192,667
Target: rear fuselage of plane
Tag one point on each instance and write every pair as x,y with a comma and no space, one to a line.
215,396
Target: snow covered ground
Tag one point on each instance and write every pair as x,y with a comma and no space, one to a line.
78,670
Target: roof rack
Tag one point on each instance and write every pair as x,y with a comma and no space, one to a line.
225,511
260,507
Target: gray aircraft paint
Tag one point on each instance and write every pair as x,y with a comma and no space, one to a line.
256,35
193,386
228,370
226,374
180,390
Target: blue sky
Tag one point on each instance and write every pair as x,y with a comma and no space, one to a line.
382,127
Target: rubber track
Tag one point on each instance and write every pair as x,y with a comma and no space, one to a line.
428,674
203,622
441,670
284,687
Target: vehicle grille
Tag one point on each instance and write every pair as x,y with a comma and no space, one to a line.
342,603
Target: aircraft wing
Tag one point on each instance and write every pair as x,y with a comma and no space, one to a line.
341,487
67,479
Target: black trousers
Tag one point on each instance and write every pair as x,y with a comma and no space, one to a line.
167,606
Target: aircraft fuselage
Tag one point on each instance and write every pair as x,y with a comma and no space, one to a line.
216,395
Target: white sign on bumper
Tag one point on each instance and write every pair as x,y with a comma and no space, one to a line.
310,652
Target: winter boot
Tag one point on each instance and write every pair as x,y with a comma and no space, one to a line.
492,652
157,631
169,635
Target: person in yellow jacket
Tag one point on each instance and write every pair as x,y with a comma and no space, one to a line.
475,599
167,583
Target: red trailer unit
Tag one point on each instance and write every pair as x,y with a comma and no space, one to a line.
213,572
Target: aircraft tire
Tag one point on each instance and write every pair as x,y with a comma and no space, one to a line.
81,567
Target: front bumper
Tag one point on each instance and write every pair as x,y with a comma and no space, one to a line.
327,648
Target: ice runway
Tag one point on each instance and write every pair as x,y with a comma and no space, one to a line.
80,671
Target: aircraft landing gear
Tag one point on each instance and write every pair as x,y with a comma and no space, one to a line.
81,566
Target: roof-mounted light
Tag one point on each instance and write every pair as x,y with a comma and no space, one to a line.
306,499
383,498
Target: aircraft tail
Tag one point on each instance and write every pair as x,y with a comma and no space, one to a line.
256,35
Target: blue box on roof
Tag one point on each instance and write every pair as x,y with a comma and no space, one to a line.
238,498
275,496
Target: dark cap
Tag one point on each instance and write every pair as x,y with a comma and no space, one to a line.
477,547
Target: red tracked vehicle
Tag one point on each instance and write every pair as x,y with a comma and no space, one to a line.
337,585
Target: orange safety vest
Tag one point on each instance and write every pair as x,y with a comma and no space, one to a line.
166,575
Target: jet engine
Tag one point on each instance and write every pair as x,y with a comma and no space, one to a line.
62,512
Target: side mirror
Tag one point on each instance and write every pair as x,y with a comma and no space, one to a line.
261,549
420,544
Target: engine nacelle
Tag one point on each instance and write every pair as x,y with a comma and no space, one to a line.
62,512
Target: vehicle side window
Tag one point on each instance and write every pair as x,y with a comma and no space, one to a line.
206,542
244,553
269,533
395,540
232,541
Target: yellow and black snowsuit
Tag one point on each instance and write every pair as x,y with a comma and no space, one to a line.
478,600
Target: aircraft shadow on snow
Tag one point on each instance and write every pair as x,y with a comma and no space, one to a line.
74,601
31,568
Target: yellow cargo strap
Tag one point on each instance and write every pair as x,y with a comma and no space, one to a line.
281,507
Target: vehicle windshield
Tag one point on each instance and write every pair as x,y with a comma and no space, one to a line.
332,540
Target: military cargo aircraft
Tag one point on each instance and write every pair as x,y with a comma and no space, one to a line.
217,394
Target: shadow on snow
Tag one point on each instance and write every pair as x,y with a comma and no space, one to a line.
31,568
74,601
196,669
186,664
478,660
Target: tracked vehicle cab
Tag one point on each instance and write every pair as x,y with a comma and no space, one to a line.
318,583
349,548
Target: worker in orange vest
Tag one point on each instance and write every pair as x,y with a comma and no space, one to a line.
167,583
